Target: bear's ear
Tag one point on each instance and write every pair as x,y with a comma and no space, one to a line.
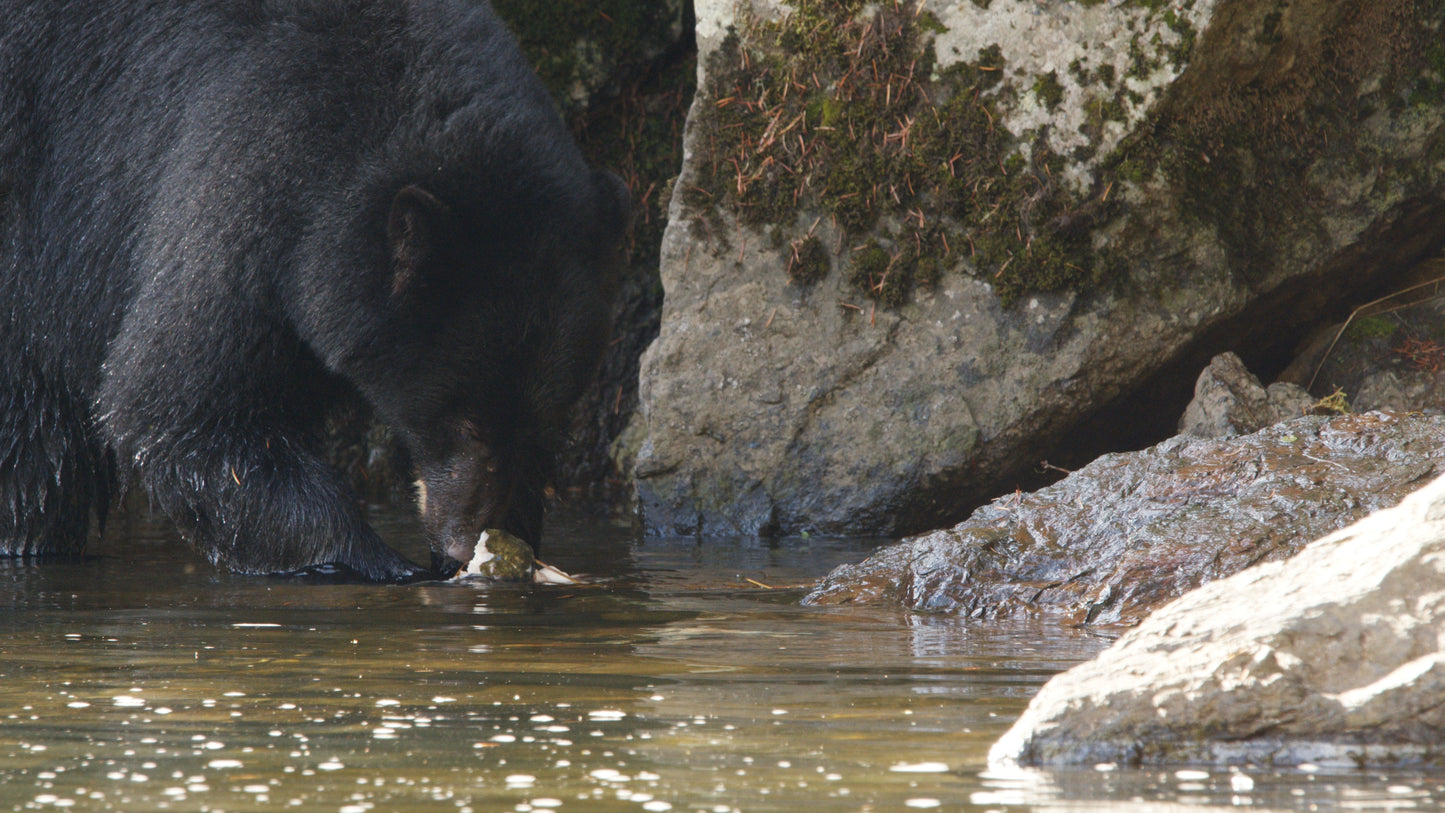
414,228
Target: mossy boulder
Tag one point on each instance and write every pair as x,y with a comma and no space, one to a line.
1040,221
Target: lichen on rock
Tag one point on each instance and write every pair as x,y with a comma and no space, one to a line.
841,109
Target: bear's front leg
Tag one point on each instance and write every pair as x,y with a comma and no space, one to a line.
257,504
213,403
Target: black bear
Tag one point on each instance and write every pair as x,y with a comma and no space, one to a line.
219,218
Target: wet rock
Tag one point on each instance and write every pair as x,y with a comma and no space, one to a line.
1129,532
1334,656
1175,180
1229,401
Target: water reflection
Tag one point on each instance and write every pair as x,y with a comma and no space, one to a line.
681,676
1107,787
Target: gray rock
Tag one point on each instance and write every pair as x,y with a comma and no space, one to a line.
1229,401
1115,540
1334,656
769,406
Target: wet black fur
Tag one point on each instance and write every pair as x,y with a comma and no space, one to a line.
205,243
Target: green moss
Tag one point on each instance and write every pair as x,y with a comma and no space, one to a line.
990,63
807,261
1103,110
930,23
1434,56
1103,75
1142,61
1180,52
1372,327
1429,89
1048,90
837,110
878,274
1234,154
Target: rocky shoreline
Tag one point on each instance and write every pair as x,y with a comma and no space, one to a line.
1333,657
1252,643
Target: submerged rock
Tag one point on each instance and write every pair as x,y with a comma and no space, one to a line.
1335,656
1121,536
855,341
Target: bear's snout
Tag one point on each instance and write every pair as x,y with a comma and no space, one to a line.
458,502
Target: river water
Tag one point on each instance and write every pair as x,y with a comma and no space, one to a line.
682,675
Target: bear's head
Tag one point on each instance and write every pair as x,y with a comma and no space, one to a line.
494,314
